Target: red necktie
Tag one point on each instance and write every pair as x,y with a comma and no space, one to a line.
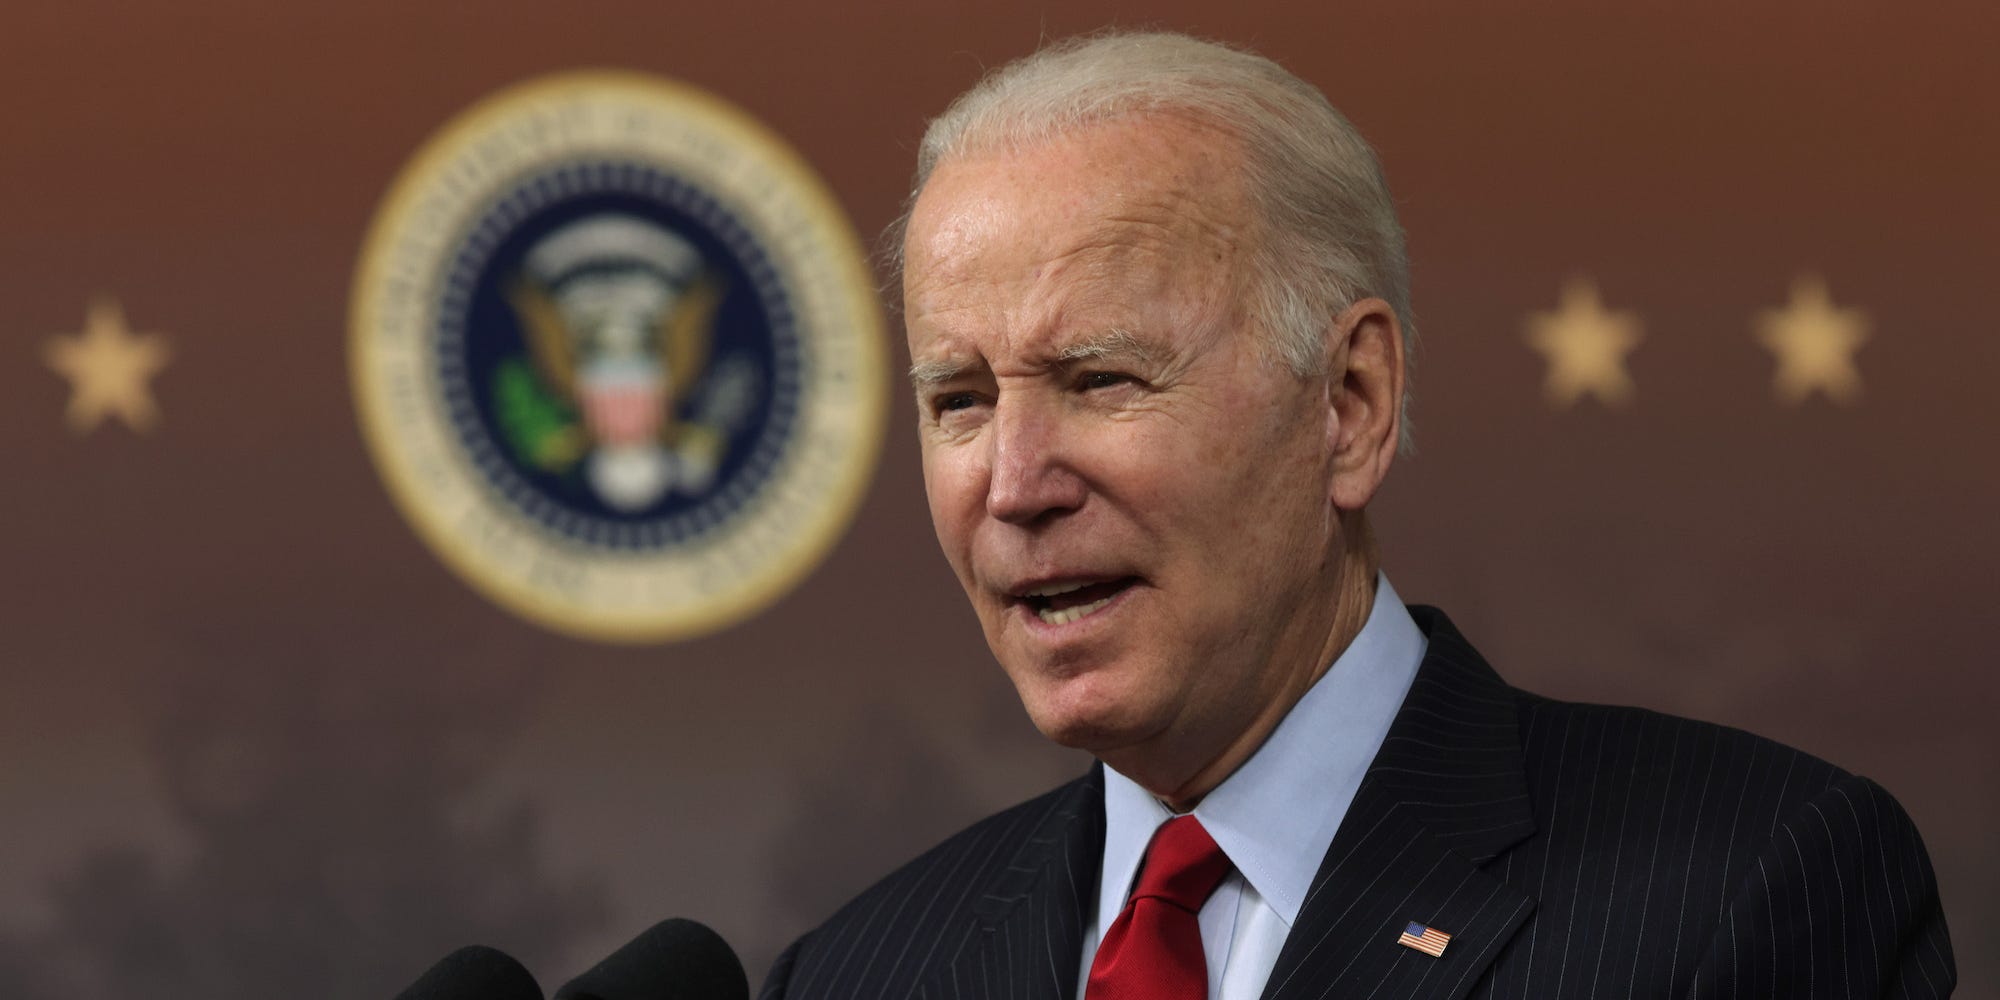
1153,949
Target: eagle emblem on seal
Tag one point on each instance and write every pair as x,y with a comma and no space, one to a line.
619,314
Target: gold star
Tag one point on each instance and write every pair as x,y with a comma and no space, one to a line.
1814,344
1585,345
109,369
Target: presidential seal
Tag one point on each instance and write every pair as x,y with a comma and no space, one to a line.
618,357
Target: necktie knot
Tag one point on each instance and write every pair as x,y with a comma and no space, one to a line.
1182,866
1153,950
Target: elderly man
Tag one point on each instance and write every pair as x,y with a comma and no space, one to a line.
1157,310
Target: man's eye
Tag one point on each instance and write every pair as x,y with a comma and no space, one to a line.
956,401
1103,380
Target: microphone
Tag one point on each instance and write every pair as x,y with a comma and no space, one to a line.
474,972
673,960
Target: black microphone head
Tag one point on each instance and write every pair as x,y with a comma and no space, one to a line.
474,972
673,960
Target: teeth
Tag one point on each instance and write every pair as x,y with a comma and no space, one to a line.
1055,588
1067,615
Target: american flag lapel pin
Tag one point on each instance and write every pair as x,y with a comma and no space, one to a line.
1428,940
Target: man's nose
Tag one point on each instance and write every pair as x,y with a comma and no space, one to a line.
1032,475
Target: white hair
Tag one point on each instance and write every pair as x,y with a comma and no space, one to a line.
1330,234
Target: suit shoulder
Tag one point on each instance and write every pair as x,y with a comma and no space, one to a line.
1650,828
926,905
971,855
1673,761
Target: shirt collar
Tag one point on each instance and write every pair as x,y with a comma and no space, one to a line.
1275,835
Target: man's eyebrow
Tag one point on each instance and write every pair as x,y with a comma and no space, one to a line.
1109,344
927,374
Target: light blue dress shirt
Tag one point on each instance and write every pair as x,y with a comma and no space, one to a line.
1274,836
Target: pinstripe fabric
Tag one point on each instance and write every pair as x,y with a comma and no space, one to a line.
993,912
1570,850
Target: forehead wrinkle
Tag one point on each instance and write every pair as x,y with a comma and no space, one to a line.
1176,238
1154,251
1036,276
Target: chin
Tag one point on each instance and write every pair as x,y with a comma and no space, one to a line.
1078,714
1075,734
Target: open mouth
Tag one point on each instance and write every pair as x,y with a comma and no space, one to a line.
1062,603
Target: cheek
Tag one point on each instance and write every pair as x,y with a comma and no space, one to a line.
956,496
1183,481
1254,493
1151,463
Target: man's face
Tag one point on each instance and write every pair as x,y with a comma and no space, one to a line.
1133,495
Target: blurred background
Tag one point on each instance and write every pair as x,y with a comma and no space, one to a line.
255,739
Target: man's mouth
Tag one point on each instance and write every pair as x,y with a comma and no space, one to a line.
1062,603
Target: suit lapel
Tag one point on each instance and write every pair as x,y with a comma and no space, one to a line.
1445,794
1028,942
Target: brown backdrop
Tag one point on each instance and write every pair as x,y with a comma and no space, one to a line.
255,740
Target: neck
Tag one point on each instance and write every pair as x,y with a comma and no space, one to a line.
1183,784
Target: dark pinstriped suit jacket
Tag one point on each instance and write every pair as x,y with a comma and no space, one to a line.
1570,850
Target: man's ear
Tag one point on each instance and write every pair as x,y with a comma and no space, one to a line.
1364,385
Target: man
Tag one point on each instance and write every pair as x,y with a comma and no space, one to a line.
1157,310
